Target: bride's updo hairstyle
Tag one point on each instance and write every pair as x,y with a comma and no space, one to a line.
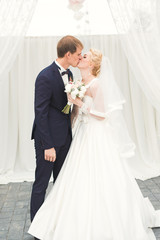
96,58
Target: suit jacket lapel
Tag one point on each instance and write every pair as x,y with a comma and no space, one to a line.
59,80
58,75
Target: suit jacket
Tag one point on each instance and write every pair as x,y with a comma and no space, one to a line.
50,123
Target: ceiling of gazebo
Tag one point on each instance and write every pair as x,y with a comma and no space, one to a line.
54,18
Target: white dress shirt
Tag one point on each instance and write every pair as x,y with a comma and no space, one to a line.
65,76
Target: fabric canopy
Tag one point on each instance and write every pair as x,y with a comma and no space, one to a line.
17,94
137,25
15,17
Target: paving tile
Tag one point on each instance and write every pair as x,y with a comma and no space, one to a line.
15,207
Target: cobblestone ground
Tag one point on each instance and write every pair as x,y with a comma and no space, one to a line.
14,207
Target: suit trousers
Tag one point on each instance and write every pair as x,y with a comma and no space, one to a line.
44,170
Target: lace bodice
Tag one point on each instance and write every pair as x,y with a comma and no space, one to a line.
85,116
88,102
84,113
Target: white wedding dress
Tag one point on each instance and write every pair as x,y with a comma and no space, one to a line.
95,197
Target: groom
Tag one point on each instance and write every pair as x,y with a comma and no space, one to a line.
52,129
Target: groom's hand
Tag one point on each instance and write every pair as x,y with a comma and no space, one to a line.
50,154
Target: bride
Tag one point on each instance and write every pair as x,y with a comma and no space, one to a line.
95,197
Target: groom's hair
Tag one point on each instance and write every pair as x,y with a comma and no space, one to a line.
68,44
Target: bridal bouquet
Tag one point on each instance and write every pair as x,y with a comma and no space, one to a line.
76,89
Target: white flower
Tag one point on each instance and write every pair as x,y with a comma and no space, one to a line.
78,82
83,89
81,94
68,88
74,93
75,89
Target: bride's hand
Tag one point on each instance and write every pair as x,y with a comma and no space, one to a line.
76,101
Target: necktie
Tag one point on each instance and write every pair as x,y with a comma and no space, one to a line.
68,72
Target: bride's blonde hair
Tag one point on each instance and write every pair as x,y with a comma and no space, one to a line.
96,58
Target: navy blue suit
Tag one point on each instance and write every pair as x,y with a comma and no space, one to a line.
51,128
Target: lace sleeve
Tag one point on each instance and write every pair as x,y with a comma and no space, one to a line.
97,108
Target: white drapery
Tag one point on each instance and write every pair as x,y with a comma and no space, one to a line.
15,16
137,25
17,94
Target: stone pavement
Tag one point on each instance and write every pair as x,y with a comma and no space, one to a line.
14,207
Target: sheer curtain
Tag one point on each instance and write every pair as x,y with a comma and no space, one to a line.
158,13
15,16
17,94
137,25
